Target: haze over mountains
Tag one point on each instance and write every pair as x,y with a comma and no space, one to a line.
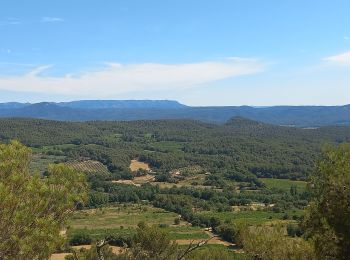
300,116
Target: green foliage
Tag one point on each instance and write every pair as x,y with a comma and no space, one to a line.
33,209
80,238
294,230
212,253
327,219
271,243
177,221
285,184
150,242
228,232
236,151
232,159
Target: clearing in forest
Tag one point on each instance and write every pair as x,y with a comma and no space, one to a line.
136,165
284,184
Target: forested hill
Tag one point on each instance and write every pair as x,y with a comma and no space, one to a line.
241,149
86,110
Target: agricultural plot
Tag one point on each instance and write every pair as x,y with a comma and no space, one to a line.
254,217
123,219
284,184
88,166
167,146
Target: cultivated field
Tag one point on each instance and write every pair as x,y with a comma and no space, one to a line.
123,219
284,184
254,217
88,166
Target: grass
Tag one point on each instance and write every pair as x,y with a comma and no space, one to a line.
233,255
136,165
58,147
252,217
284,184
174,233
123,219
128,215
168,146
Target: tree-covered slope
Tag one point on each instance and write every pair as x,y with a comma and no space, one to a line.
239,150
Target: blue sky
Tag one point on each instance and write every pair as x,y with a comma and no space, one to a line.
223,52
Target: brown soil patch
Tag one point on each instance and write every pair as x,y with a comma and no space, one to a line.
144,179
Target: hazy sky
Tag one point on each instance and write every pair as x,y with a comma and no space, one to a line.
205,52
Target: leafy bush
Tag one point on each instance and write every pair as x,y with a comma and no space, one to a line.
82,238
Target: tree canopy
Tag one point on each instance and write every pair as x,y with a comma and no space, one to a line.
33,208
328,217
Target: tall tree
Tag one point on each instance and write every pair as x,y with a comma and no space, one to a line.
33,209
328,217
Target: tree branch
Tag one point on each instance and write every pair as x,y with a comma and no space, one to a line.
192,247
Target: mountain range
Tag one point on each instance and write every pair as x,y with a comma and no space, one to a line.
86,110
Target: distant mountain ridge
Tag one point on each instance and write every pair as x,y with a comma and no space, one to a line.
100,104
85,110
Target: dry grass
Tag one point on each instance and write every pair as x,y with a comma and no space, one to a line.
136,165
127,182
60,256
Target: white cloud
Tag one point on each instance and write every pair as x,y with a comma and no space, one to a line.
118,78
48,19
340,59
346,38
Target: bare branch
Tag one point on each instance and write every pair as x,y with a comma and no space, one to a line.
192,247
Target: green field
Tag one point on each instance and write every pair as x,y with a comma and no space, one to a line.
167,146
123,215
284,184
123,219
233,254
251,216
53,148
